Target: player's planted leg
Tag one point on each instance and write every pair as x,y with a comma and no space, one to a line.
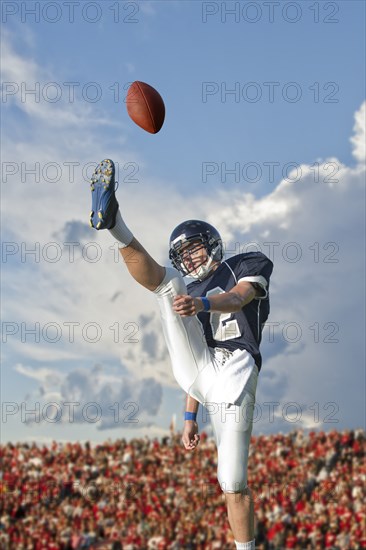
233,429
240,508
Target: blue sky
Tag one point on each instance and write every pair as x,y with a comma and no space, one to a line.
194,58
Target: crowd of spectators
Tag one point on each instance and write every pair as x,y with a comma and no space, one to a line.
309,492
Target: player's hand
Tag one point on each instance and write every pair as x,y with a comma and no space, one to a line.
190,436
186,306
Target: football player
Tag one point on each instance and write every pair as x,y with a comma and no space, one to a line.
212,329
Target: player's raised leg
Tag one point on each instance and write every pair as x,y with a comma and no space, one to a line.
143,268
191,359
105,214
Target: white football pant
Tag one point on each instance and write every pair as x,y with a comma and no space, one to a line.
224,382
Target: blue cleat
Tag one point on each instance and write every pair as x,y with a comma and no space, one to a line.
104,202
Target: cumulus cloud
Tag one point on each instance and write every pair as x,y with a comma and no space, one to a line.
359,138
73,231
89,310
40,94
314,232
94,395
308,228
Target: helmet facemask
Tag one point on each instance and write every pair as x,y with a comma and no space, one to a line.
179,257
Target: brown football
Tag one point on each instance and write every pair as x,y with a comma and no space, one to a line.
145,106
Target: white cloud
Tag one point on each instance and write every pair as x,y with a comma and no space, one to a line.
359,137
51,103
320,220
48,377
93,395
315,232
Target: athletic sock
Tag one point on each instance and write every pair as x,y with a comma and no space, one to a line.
121,232
245,545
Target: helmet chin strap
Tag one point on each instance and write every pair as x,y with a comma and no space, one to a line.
204,269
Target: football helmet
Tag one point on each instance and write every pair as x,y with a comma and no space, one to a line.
188,232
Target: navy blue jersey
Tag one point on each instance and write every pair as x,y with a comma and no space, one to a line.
243,329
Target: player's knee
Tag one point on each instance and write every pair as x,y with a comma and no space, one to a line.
241,493
232,474
230,484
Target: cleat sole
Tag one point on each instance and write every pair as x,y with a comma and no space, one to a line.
104,203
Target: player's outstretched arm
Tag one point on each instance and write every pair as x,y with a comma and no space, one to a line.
226,302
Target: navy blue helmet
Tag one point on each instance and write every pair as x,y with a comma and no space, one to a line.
195,231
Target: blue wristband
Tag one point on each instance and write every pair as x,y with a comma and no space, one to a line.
206,303
190,416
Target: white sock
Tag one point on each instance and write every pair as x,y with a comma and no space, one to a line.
121,232
245,545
